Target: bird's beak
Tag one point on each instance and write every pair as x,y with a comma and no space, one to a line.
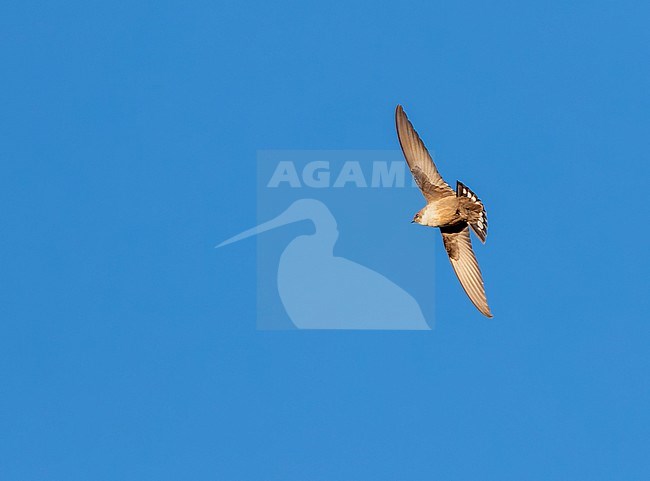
272,224
413,222
287,217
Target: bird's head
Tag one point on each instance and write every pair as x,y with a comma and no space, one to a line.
417,218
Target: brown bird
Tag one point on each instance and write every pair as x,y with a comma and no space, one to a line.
454,212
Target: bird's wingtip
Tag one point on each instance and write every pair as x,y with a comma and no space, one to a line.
400,115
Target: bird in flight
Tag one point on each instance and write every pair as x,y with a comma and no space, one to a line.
453,212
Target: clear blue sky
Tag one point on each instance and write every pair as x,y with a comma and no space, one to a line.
128,346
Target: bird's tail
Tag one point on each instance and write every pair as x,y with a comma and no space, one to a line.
480,225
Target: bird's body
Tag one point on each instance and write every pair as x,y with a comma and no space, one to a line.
454,212
450,211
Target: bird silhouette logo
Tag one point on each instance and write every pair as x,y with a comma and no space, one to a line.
322,291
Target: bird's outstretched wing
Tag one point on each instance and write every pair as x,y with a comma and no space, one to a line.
424,171
459,248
